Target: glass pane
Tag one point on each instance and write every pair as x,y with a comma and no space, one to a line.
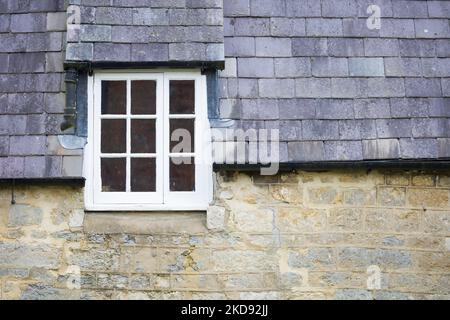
143,175
182,97
114,97
143,136
114,175
114,136
182,135
143,97
182,174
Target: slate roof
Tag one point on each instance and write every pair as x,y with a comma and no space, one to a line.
148,31
31,88
337,90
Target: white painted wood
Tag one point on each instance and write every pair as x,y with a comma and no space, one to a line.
163,198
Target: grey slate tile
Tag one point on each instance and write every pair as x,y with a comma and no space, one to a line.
349,87
288,27
262,109
374,47
432,28
4,146
386,87
409,107
398,28
329,67
444,148
150,52
276,88
303,8
381,149
357,129
343,150
267,8
313,88
324,27
345,47
309,47
417,47
252,27
320,130
4,62
403,67
29,22
366,67
12,167
256,67
439,107
445,87
439,9
335,109
372,108
236,7
430,128
394,128
27,145
298,109
239,46
292,67
420,87
339,8
80,51
442,48
27,62
306,151
273,47
419,148
112,52
410,9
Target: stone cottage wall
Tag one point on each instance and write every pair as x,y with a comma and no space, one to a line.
305,235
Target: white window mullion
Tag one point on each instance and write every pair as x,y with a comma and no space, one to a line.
165,139
128,135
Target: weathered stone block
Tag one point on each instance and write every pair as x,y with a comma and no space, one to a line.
391,197
428,198
28,256
314,258
216,218
345,219
300,220
24,215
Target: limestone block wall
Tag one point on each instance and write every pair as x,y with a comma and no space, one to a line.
303,235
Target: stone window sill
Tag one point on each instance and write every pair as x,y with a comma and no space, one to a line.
145,223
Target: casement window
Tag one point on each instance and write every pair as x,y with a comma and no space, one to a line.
148,142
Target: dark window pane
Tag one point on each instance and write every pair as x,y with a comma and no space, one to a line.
143,138
182,175
114,97
114,136
143,97
182,97
183,132
114,175
143,175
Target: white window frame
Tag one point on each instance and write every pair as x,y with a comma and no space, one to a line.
163,199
